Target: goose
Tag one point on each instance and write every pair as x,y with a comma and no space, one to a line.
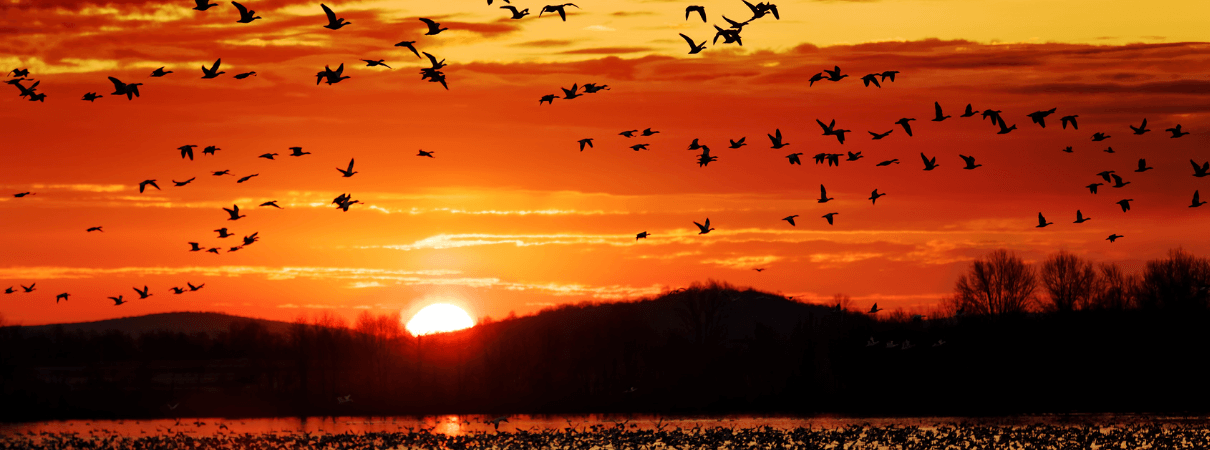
829,217
874,196
888,162
249,177
693,48
548,98
516,14
1039,117
195,247
424,153
777,139
938,116
194,288
637,147
649,132
970,111
22,194
790,219
1042,223
794,158
1004,129
1114,237
853,156
1125,204
874,309
267,155
240,76
871,78
628,134
1196,200
333,22
213,70
970,162
877,136
222,233
556,8
130,90
91,96
182,183
143,185
823,195
95,229
1202,170
143,293
891,74
297,151
271,203
642,235
1105,174
62,296
346,173
1117,181
376,62
203,5
410,45
739,143
1080,217
1068,149
1100,136
161,72
1176,131
187,151
1070,119
10,290
704,228
907,128
434,27
701,10
1142,128
1093,187
245,14
1143,166
117,301
929,164
496,422
834,74
234,213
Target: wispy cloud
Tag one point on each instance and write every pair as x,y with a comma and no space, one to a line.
272,273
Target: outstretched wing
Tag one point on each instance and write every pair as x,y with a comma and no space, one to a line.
328,11
118,85
690,41
242,10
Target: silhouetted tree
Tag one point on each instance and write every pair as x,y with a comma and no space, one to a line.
1000,283
1114,290
1070,281
701,312
1177,282
845,302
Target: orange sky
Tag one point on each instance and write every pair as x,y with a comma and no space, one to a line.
510,216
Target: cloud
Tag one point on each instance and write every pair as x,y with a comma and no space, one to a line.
606,51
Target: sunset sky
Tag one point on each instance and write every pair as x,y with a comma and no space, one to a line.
509,215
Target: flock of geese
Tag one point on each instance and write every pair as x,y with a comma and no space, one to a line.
731,34
984,434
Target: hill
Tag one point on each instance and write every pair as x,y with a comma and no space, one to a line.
210,323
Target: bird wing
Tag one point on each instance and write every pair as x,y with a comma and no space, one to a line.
118,85
432,59
217,62
823,193
925,158
242,10
968,159
1041,220
690,41
429,22
328,11
937,108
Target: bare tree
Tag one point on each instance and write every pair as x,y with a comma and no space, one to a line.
1069,280
1000,283
701,312
1114,289
1177,282
845,302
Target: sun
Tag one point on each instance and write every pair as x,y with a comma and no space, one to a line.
439,318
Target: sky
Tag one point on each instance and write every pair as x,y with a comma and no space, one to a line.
510,216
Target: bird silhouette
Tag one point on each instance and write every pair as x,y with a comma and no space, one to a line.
907,128
516,14
272,203
583,142
759,269
1142,128
249,177
549,98
693,48
297,151
19,72
872,342
814,78
1080,217
1068,149
410,45
130,90
642,235
1143,166
62,296
874,196
213,70
1004,129
970,162
210,149
829,217
10,290
701,10
1117,181
177,290
1125,204
1105,174
1039,117
187,151
203,5
252,238
823,195
938,116
1202,170
1196,200
704,228
91,229
240,76
1100,136
160,72
213,250
1070,119
888,162
245,14
790,219
29,288
637,147
1042,221
267,155
379,62
558,9
970,111
333,22
182,183
888,74
219,173
117,301
737,144
331,76
569,94
1176,131
853,156
222,232
871,78
143,185
424,153
347,172
1114,237
234,213
997,120
1093,187
834,74
434,27
877,136
143,293
649,132
91,96
777,140
873,310
929,164
22,194
195,247
794,158
194,288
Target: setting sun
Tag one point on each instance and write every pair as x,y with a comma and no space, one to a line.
439,318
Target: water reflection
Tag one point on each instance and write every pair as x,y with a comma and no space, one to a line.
457,425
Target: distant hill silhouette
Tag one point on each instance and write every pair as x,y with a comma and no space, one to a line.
210,323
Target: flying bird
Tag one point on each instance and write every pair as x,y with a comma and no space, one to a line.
194,288
929,164
1006,129
888,162
1202,170
693,48
556,8
333,22
1117,181
240,76
222,233
877,136
267,155
1068,149
642,235
1105,174
1125,204
737,144
1143,166
94,229
871,78
637,147
829,217
187,151
1113,237
888,74
938,116
873,310
1093,187
649,132
161,72
970,162
245,14
182,183
91,96
794,158
130,90
347,172
143,293
907,128
1070,119
410,45
1042,221
583,142
297,151
62,296
272,203
701,10
143,185
790,219
1100,136
823,195
219,173
234,213
704,228
249,177
1176,131
1196,200
549,98
834,74
213,70
516,14
177,290
424,153
1039,117
118,300
874,196
210,149
1142,128
777,140
29,288
372,63
1080,217
434,27
970,111
195,247
203,5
